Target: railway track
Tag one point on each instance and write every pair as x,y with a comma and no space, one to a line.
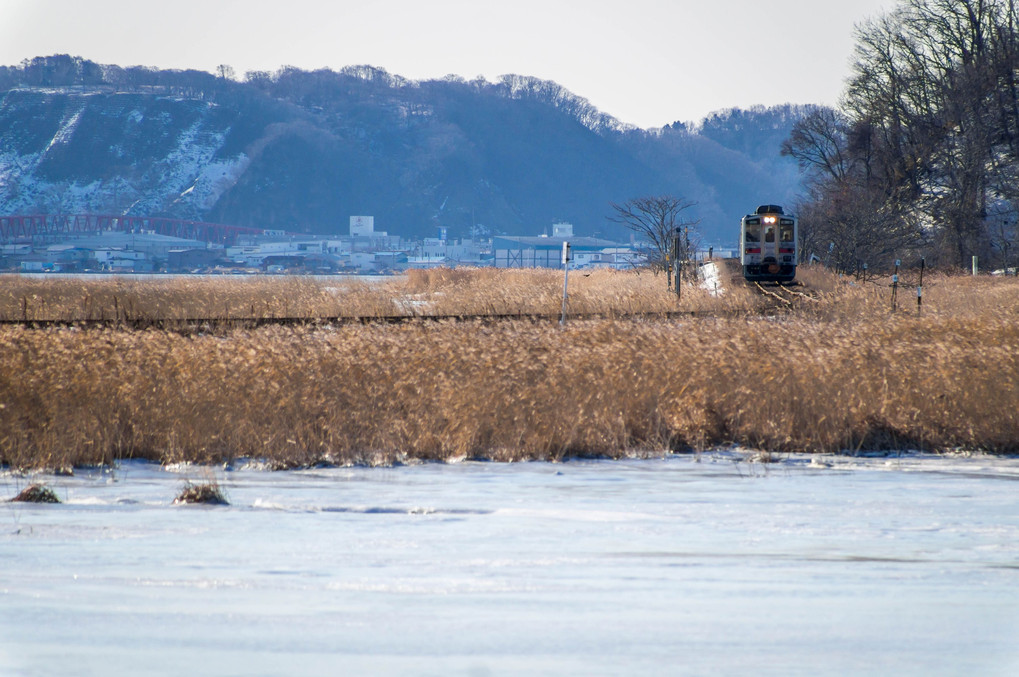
761,289
779,297
204,325
785,294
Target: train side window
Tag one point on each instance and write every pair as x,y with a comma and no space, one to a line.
752,235
786,233
769,234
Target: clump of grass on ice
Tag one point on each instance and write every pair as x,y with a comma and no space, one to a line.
207,493
36,493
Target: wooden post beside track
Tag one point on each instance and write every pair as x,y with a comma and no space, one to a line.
566,279
919,290
895,285
678,265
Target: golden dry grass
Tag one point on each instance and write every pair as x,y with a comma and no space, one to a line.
435,292
24,297
838,373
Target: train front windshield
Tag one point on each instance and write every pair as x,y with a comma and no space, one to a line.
787,232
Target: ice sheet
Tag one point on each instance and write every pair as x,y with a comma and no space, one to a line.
682,565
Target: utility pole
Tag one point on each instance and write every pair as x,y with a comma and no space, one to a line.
895,285
678,265
566,279
919,289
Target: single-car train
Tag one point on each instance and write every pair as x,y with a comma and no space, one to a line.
767,242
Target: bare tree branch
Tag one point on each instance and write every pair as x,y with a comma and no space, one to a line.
658,219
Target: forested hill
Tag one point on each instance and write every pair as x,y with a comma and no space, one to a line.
303,151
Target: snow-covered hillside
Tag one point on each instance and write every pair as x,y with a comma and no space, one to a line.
94,152
302,151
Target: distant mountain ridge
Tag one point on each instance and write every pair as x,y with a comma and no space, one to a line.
303,151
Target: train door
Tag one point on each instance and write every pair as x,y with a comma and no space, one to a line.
769,243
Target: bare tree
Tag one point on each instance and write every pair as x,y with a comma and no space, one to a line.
819,144
848,226
927,142
1004,236
659,221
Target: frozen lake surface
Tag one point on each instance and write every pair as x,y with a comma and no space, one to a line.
718,565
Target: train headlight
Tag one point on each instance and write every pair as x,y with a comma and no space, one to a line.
769,219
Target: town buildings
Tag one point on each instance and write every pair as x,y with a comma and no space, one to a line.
363,250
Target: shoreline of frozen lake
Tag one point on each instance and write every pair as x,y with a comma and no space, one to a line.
681,565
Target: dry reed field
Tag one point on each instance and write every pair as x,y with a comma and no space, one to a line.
435,292
838,372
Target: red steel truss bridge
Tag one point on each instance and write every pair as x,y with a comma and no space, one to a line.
49,227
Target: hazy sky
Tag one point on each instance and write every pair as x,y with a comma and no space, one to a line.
646,62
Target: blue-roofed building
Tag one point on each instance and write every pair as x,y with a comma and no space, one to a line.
546,252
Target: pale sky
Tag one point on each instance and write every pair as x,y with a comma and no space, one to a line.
645,62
